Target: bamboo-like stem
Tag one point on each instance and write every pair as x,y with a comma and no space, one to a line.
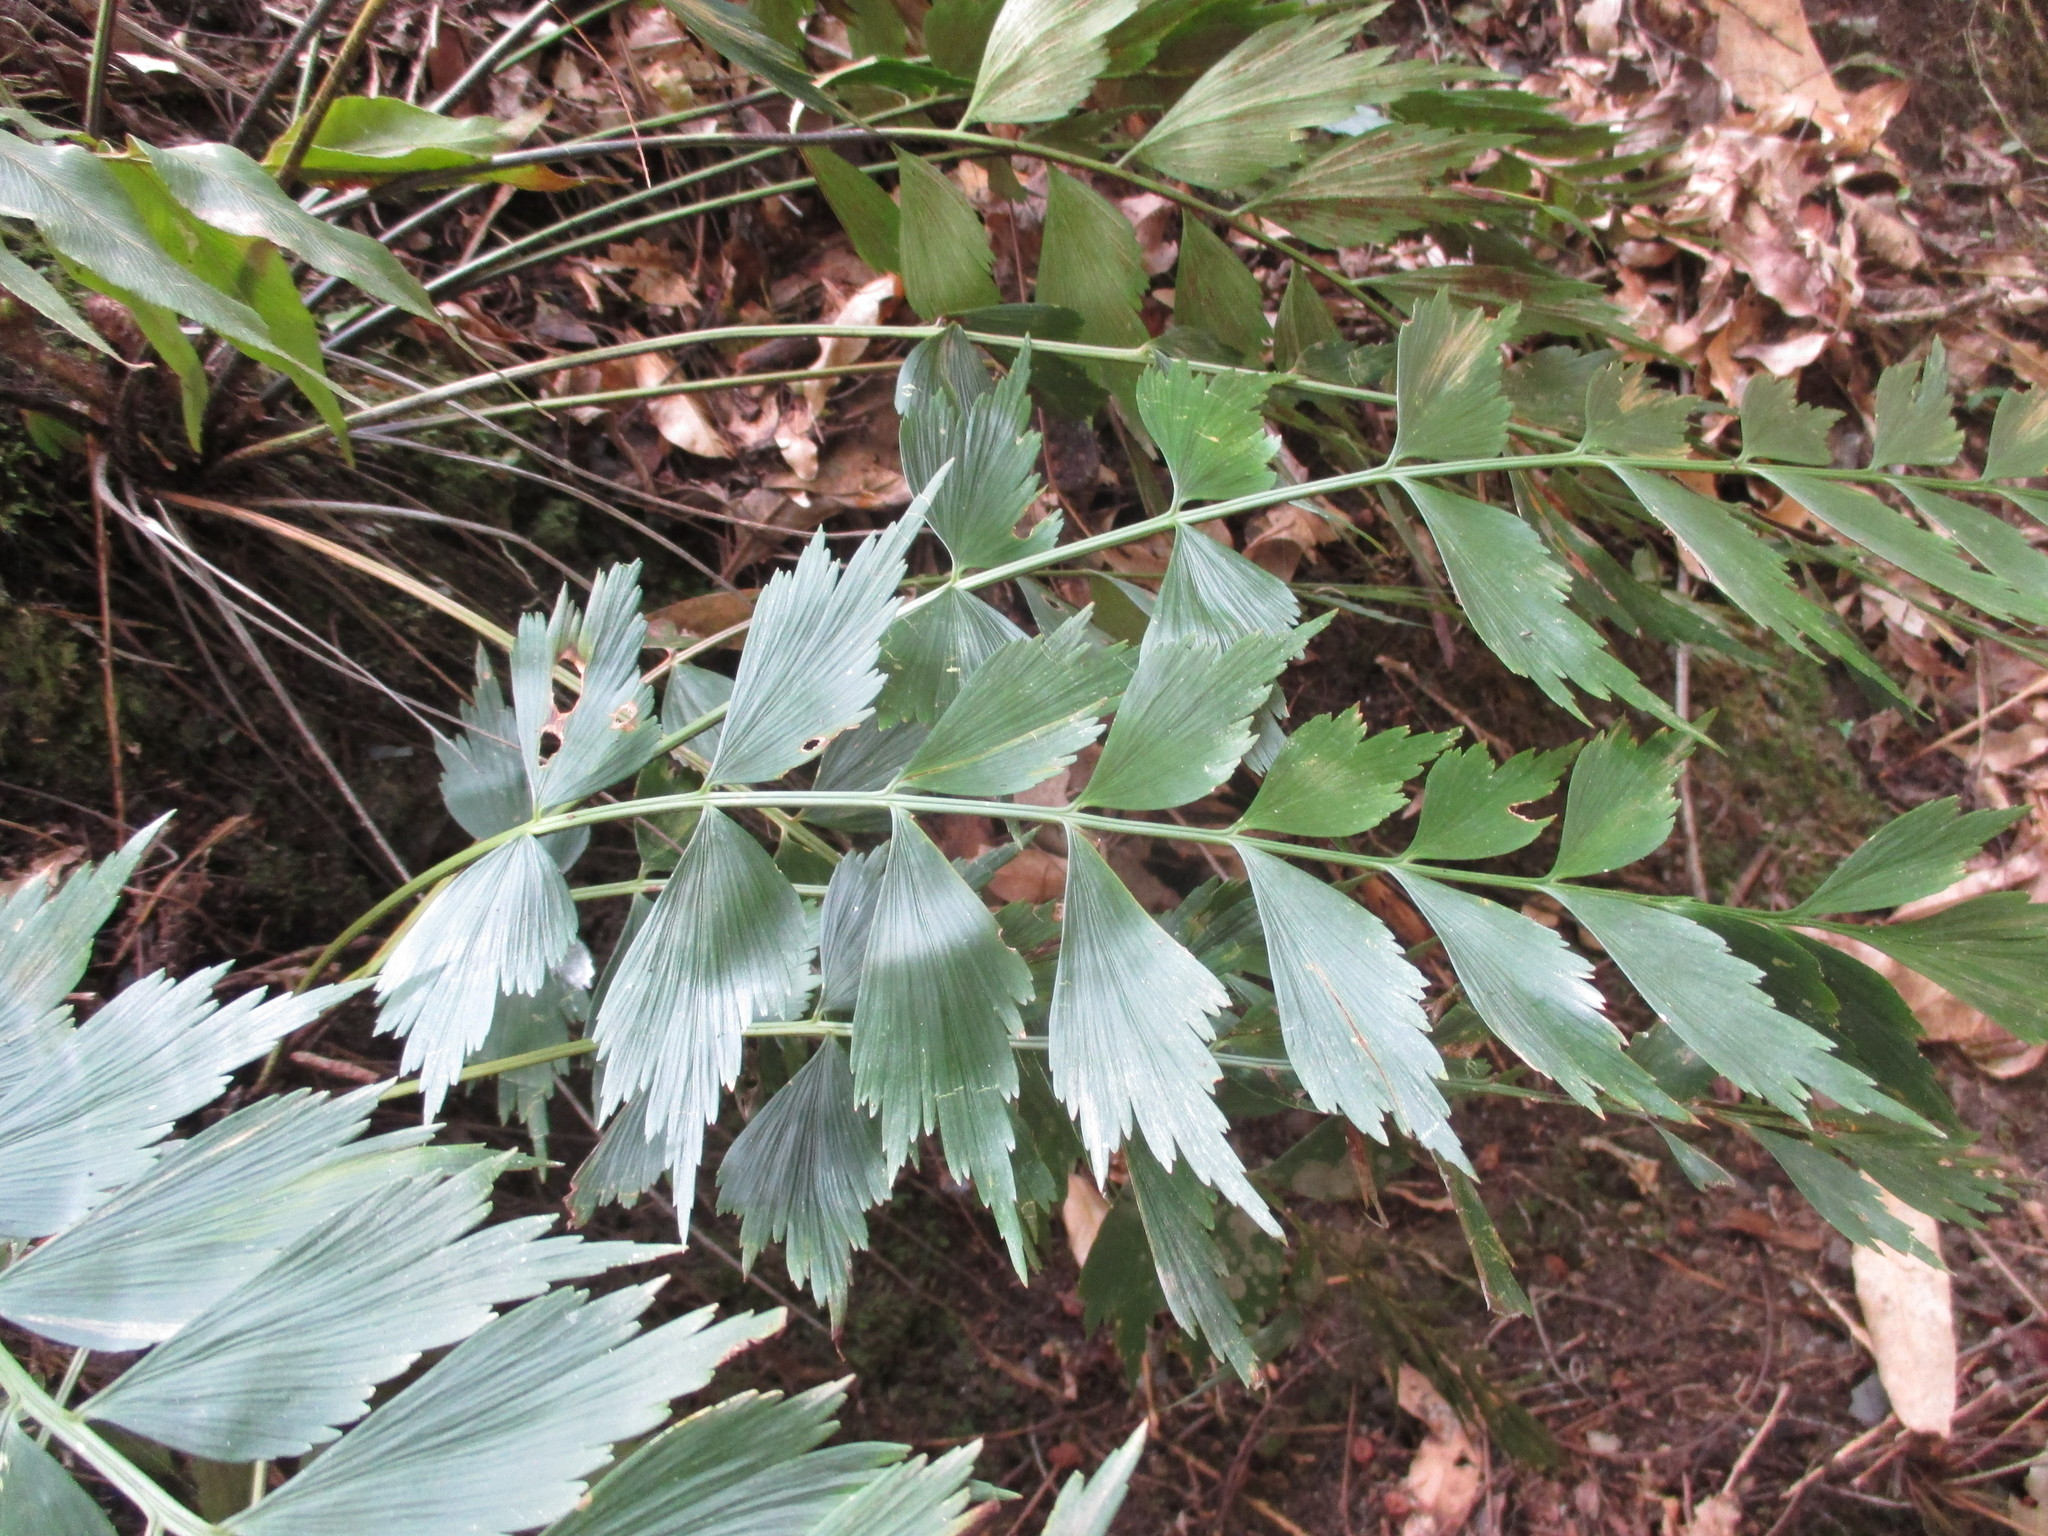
96,69
304,131
308,32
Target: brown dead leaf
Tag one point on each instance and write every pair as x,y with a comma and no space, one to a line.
864,306
1033,876
683,422
1910,1316
1765,52
1720,1515
1442,1483
1279,540
1082,1213
1757,1225
698,618
1884,234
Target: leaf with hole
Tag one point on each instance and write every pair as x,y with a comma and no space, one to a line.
1468,802
1619,807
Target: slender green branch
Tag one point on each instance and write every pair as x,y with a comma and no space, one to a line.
96,69
307,127
134,1484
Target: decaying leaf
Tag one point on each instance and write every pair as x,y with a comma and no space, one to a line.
1911,1319
1082,1213
1442,1484
1765,52
698,618
864,306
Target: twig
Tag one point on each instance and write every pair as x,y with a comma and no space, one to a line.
308,126
1756,1440
252,116
2034,689
96,70
109,699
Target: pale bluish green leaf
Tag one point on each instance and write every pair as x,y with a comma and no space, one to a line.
46,943
1536,995
1468,803
1303,324
1620,807
1042,58
1212,592
1712,1001
1627,414
1332,780
2019,436
1776,426
1350,1007
1991,951
1210,431
1240,119
1185,721
542,1021
279,1364
1497,1282
1850,1203
483,770
82,1109
913,1498
41,295
1914,423
751,1465
1377,185
985,436
1513,592
2001,548
1087,1505
843,921
1089,262
1128,1035
501,1433
37,1496
611,730
863,209
1023,715
1194,1277
1913,855
723,947
625,1164
499,927
1891,535
210,1213
228,190
939,1003
809,669
804,1173
1447,381
947,263
933,649
1216,293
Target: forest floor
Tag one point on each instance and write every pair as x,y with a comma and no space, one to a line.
1695,1363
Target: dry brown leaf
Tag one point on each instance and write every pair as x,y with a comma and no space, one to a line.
1033,876
1885,235
1281,539
1600,24
683,422
1082,1213
1720,1515
698,618
1442,1483
1765,52
864,306
1910,1316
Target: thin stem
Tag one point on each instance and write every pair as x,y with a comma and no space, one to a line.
307,126
96,69
140,1489
252,115
487,61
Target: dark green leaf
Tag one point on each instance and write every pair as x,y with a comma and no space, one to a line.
1468,802
1180,1218
932,650
1700,1170
1210,431
1089,262
863,209
1914,855
1930,1175
1914,425
1119,1284
947,263
1878,1032
1304,322
1846,1200
1627,414
2019,436
1503,1292
1332,780
1041,59
1216,293
735,35
956,34
1620,807
2000,547
1378,185
1991,951
1776,426
1448,384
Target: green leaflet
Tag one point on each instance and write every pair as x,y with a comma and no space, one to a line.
160,327
1914,855
1089,262
938,1007
386,136
228,190
611,731
1776,426
2019,436
804,1173
1468,803
1991,951
1023,715
1711,999
41,295
1513,592
733,32
2002,549
1877,1031
932,650
498,928
1128,1035
1042,58
1333,780
985,434
1193,1276
956,34
1210,431
1087,1505
912,1498
947,263
1620,807
863,209
1350,1007
37,1496
502,1431
723,946
1914,425
1119,1284
1928,1174
751,1464
1891,535
1212,592
1846,1200
809,668
1215,292
1239,120
1497,1282
1303,323
1447,374
1700,1170
1186,720
45,945
349,1305
1536,995
1377,185
1626,413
